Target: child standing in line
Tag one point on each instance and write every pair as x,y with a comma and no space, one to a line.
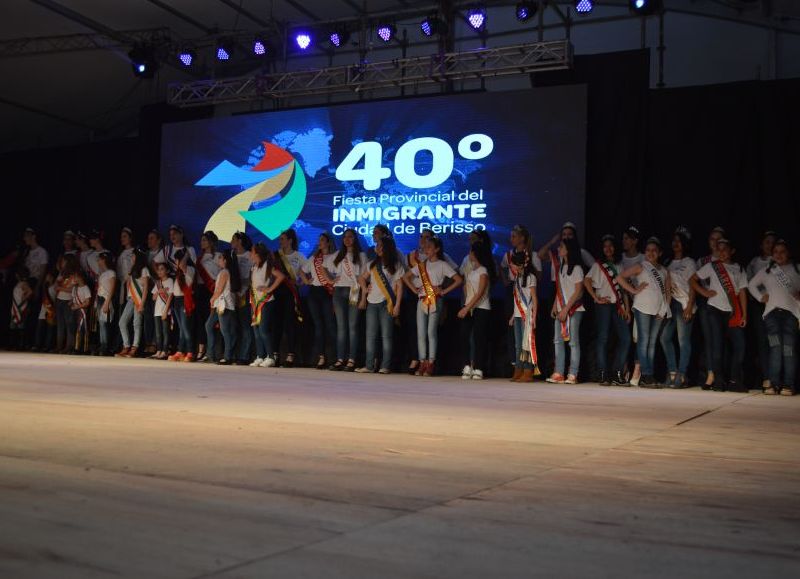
81,300
162,303
475,313
525,302
46,325
223,307
20,307
106,290
265,279
135,292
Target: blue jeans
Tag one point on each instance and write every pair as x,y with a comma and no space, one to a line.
129,312
647,327
606,315
378,318
149,320
428,330
705,328
755,316
245,331
684,329
227,325
719,331
102,327
519,333
64,338
263,331
782,337
346,324
321,306
185,340
574,345
161,330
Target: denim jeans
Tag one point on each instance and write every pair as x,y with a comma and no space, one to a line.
244,331
756,317
161,331
605,316
574,345
102,327
185,339
227,325
705,327
647,327
379,319
347,316
129,312
64,337
719,331
684,329
782,335
321,306
263,331
149,320
285,320
428,330
475,333
519,334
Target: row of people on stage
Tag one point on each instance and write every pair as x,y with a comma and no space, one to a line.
168,301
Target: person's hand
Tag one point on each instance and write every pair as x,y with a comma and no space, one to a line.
710,294
599,300
362,304
764,298
510,321
438,290
687,315
463,312
396,311
626,315
211,303
563,315
743,323
640,288
164,316
554,311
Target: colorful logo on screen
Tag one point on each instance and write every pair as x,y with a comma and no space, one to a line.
273,199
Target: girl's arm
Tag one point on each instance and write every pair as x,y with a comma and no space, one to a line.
398,292
279,276
482,285
545,249
755,285
587,284
694,282
457,281
668,291
221,279
578,294
167,306
534,305
407,279
622,279
362,283
743,304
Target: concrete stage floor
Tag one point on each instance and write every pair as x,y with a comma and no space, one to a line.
133,468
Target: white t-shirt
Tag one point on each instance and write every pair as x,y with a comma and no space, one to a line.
83,258
124,263
629,262
375,295
471,285
245,265
171,250
63,295
347,273
505,266
327,265
104,283
81,294
680,272
756,265
437,271
141,281
525,289
258,277
225,299
209,263
738,278
36,262
93,262
781,293
600,282
51,291
651,299
568,281
161,291
189,276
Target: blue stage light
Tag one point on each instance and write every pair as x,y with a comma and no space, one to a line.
186,57
259,47
584,6
144,63
303,40
386,32
426,27
645,7
477,18
526,10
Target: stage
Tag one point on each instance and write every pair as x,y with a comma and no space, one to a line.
138,468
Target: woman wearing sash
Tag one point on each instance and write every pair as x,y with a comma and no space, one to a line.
431,274
316,274
702,308
241,244
567,311
381,295
68,267
135,282
223,308
81,302
124,263
681,269
408,326
348,264
523,319
154,246
727,313
207,270
475,312
289,313
612,309
106,290
183,304
162,305
757,264
265,278
649,283
778,288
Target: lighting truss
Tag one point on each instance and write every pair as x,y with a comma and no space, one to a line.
435,69
42,45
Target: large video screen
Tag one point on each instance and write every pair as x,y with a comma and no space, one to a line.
450,164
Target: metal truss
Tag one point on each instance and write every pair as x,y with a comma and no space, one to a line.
42,45
435,69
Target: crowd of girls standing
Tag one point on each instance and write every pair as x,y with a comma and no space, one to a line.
242,304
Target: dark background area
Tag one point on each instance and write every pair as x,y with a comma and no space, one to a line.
702,156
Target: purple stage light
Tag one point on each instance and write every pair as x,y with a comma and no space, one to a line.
477,18
303,40
385,32
186,58
584,6
259,48
335,39
426,27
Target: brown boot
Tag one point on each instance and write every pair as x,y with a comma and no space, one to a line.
527,376
517,374
123,353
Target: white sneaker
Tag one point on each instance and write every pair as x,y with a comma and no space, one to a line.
384,371
477,375
267,363
257,362
466,373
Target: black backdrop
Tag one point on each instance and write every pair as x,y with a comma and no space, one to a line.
701,156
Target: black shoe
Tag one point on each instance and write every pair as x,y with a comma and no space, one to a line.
649,382
734,387
337,367
619,379
603,379
224,362
321,363
718,387
679,382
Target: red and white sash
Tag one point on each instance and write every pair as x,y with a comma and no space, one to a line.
726,282
610,272
208,281
522,301
319,270
561,298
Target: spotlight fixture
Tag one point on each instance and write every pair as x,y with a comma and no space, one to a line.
303,40
224,50
338,36
477,17
433,25
645,7
187,57
526,10
143,61
386,31
584,7
259,46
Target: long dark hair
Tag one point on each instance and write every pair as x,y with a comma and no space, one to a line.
265,255
108,259
574,257
483,253
438,244
231,263
685,238
247,243
343,250
331,244
390,259
291,234
139,263
70,265
519,258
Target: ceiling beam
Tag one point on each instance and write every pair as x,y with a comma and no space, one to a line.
303,10
83,20
247,14
183,16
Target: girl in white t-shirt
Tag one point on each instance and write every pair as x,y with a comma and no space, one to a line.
756,265
106,290
136,288
21,299
681,269
525,304
288,311
265,279
223,308
207,270
430,274
567,311
649,283
778,288
162,303
702,306
81,301
475,313
381,295
317,275
349,263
